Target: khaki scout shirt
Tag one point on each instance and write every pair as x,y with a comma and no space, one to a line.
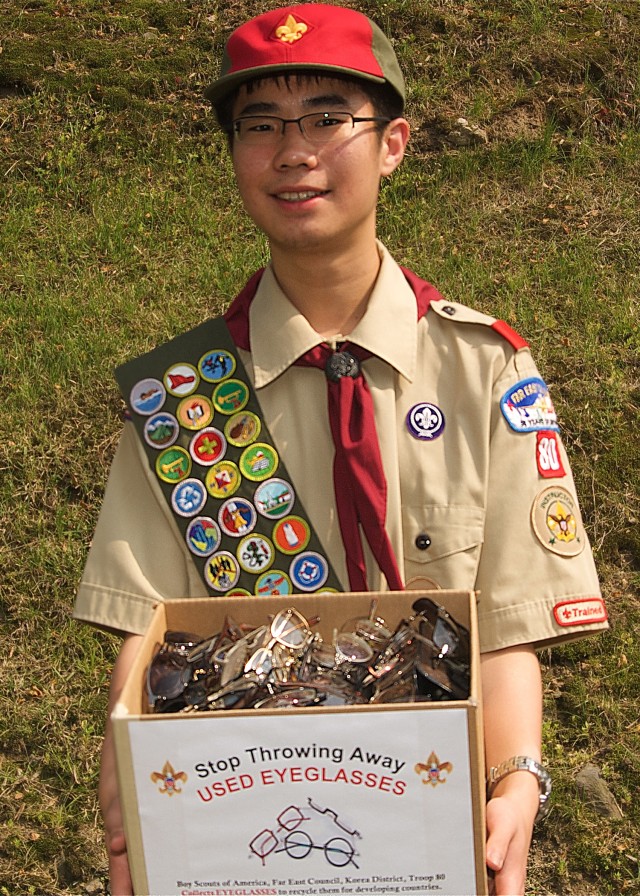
460,507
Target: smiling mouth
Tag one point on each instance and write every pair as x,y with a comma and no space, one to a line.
300,195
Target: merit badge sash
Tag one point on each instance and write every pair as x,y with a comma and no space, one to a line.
202,429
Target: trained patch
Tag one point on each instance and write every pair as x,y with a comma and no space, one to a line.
582,611
556,521
527,406
548,457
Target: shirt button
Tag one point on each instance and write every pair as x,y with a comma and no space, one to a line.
423,542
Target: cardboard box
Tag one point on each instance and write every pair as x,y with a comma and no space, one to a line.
350,800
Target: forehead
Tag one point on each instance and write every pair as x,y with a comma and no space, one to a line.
304,91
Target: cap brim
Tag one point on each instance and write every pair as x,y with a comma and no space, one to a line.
227,84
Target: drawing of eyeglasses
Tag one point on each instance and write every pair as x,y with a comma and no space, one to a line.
290,837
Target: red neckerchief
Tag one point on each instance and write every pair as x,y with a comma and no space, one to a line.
359,481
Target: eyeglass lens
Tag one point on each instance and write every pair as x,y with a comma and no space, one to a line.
317,127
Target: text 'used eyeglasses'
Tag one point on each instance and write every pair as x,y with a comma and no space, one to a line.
316,127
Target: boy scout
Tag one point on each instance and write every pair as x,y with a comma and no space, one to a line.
449,469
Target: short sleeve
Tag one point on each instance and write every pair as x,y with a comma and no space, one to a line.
137,557
536,579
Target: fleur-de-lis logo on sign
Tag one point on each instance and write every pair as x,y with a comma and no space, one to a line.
434,771
168,780
291,31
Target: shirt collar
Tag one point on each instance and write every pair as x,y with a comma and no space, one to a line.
280,334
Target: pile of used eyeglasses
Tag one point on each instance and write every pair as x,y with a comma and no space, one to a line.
286,664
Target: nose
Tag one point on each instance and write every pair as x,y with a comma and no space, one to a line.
293,148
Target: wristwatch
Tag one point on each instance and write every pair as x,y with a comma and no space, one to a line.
523,764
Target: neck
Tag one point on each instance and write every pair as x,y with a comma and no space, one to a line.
332,292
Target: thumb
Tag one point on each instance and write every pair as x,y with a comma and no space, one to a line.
500,834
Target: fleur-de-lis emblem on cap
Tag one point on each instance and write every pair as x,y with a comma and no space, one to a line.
170,779
291,31
435,772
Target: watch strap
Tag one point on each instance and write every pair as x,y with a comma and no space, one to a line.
523,764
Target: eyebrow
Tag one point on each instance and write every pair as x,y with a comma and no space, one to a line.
323,101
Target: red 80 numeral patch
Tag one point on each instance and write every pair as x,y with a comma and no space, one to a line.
548,455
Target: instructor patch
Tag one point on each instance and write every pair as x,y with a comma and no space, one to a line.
527,406
556,520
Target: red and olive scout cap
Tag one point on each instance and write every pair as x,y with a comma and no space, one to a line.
311,37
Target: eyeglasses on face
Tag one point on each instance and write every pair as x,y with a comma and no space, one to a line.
316,127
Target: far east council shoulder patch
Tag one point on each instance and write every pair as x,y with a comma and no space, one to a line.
557,523
527,406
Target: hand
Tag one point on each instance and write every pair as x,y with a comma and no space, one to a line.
509,827
119,873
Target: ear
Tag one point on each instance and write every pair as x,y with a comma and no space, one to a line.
394,143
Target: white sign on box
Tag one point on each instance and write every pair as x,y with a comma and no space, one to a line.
307,803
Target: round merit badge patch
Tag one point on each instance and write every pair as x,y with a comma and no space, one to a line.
189,497
557,523
216,365
208,446
223,479
259,461
203,536
237,517
255,553
425,421
242,429
147,397
173,464
161,430
181,379
195,412
222,571
273,582
274,498
291,535
230,396
309,571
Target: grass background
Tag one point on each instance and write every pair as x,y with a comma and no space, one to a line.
120,228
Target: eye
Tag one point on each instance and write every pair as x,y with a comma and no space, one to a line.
256,126
330,120
262,125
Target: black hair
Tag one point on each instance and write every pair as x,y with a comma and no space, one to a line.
384,99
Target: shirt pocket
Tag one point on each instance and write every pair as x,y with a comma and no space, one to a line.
443,544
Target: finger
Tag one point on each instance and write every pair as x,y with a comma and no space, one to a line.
119,875
498,841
